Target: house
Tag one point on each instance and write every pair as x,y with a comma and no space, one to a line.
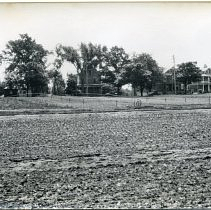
15,92
202,86
92,83
10,92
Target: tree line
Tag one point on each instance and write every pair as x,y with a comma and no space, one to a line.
27,68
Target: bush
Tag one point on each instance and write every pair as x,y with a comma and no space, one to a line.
108,89
2,86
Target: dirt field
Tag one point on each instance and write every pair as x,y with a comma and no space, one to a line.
159,159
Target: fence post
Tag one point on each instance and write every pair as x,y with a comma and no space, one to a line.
185,99
209,99
83,103
165,100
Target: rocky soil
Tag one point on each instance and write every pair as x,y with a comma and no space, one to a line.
159,159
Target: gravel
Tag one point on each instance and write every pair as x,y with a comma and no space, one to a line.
159,159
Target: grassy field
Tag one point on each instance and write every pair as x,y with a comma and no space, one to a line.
105,103
159,159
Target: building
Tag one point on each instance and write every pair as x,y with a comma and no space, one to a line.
202,86
10,92
92,83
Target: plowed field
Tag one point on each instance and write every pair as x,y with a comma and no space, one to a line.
159,159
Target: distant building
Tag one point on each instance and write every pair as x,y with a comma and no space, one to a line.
92,82
204,85
10,92
15,92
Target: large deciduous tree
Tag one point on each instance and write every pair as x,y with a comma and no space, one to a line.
116,60
187,73
85,59
156,72
26,64
137,74
142,72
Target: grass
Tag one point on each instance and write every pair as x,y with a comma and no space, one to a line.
105,103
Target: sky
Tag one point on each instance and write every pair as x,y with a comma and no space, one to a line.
160,29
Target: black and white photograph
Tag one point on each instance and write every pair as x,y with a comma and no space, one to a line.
105,105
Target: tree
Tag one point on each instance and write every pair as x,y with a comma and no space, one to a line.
58,82
156,72
137,75
26,64
2,86
55,76
12,80
107,76
141,72
86,58
116,60
71,88
108,88
187,73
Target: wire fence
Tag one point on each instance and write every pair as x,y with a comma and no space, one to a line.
102,103
134,101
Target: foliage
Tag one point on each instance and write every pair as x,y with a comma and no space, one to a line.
116,60
108,88
142,72
58,82
107,76
2,86
26,64
187,73
71,88
86,58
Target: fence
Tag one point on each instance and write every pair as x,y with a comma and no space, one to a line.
113,103
95,103
179,100
103,103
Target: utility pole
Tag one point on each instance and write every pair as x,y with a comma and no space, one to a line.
86,80
175,85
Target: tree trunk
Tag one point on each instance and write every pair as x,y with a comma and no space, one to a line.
82,78
142,90
185,87
27,90
54,87
118,90
82,87
134,91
